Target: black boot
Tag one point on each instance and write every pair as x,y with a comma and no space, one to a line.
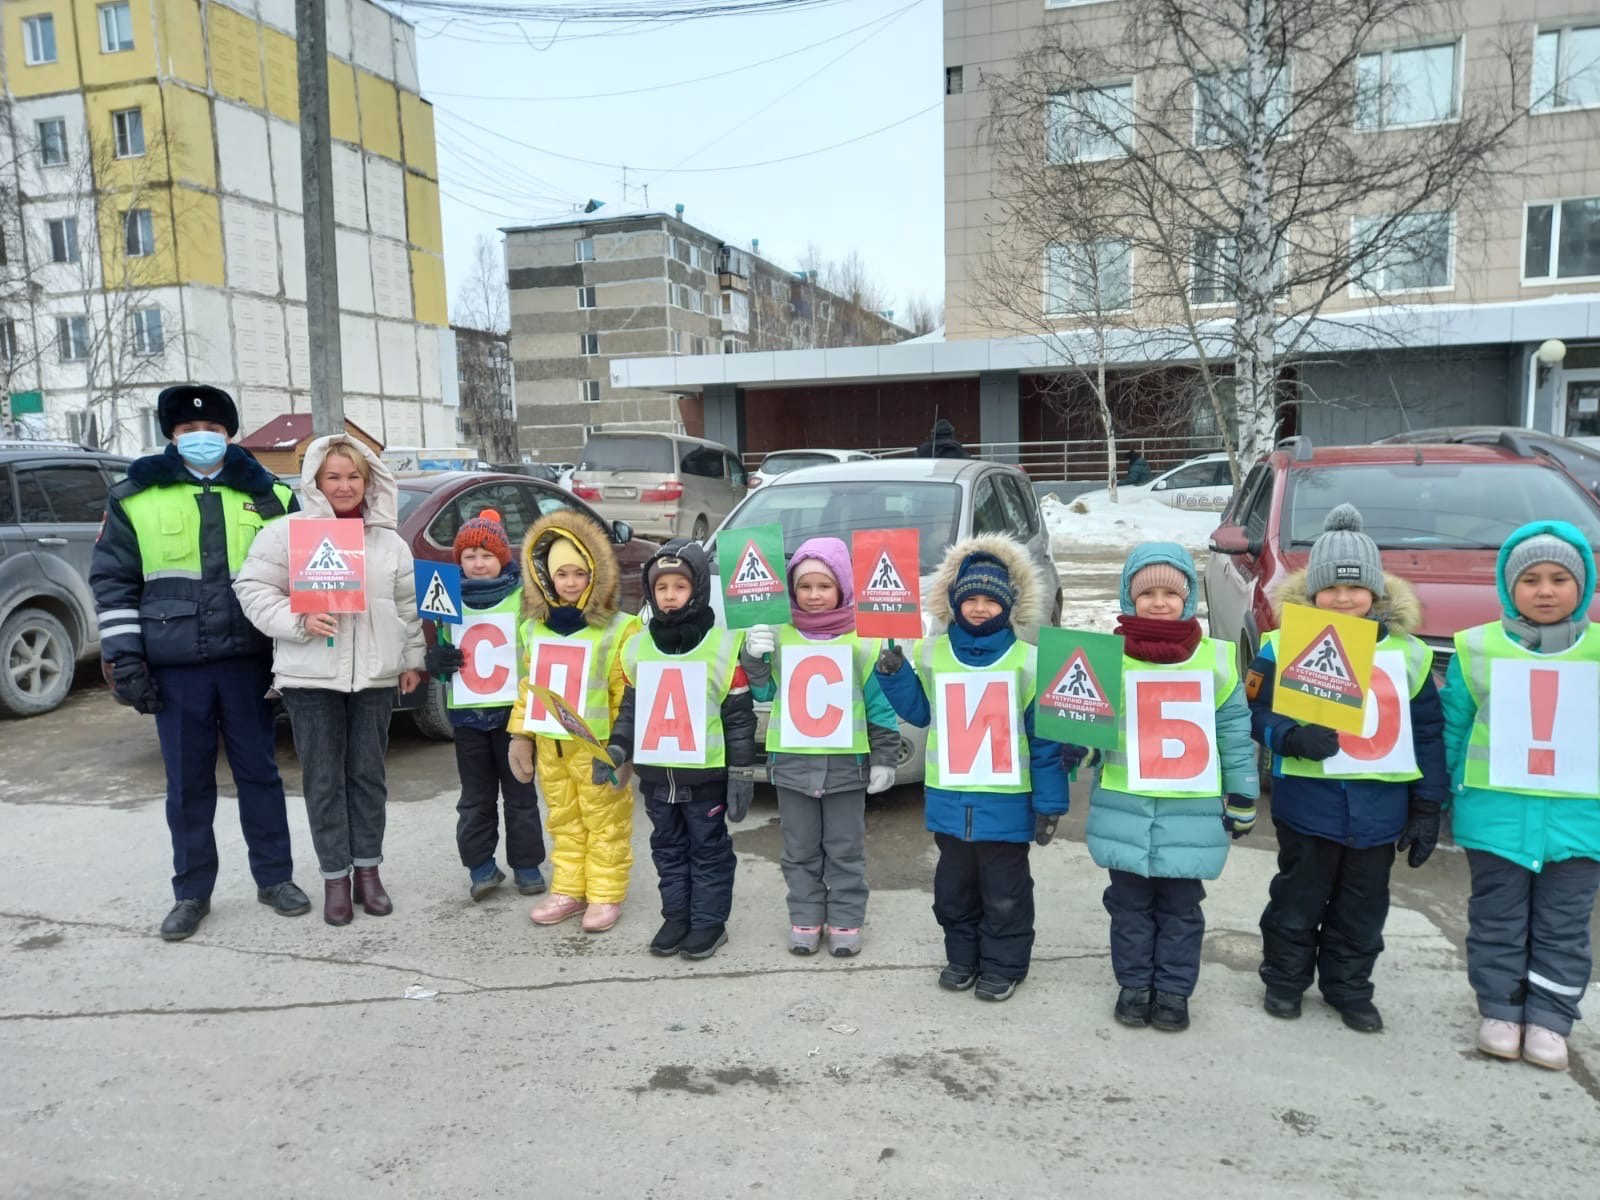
1170,1012
1281,1004
669,939
1133,1007
996,987
956,978
705,941
1362,1016
184,919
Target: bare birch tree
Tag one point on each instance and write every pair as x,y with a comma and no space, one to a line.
481,301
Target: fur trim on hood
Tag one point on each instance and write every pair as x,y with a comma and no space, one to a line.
1398,607
382,503
1029,608
605,587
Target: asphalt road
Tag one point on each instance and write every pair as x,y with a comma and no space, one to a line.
280,1057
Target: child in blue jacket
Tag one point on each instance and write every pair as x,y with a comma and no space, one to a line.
985,590
1339,826
1534,851
1158,847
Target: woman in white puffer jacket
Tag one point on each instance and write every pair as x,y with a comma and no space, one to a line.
338,672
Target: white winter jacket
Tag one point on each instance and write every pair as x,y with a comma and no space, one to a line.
372,648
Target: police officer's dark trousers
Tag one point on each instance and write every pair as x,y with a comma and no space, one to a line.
201,704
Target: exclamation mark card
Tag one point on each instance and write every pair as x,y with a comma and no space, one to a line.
1544,727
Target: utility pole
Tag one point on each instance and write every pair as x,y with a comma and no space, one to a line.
316,190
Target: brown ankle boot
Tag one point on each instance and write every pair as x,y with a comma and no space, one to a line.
369,891
336,907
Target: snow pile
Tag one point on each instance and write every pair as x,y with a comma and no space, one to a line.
1092,520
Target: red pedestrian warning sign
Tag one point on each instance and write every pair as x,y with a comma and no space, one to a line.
888,588
327,565
1324,667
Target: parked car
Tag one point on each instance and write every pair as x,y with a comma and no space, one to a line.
432,509
945,499
781,461
665,485
1202,484
1580,459
52,502
1439,514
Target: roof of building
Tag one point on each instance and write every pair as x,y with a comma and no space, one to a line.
289,430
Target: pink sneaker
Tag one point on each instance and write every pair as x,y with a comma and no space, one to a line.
1544,1048
1502,1039
556,909
844,943
804,939
601,917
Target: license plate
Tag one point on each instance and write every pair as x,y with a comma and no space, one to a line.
622,493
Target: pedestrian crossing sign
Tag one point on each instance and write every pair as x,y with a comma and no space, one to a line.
750,563
885,563
438,592
1081,701
327,565
1324,667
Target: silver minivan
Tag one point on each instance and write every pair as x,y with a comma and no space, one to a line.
664,485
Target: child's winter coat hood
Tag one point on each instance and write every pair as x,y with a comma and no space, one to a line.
592,542
1010,553
383,494
1398,607
1568,533
1148,554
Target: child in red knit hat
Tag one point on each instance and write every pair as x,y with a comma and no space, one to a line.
491,587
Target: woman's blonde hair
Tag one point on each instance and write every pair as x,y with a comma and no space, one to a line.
348,449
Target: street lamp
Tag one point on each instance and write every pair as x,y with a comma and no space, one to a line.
1549,355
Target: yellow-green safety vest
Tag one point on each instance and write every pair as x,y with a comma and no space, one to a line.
1476,649
935,660
604,644
1419,664
1212,655
166,520
863,654
510,604
719,650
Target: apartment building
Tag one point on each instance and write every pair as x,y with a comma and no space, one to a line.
150,206
587,293
1468,296
487,398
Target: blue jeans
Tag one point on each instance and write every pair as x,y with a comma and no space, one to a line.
341,738
202,705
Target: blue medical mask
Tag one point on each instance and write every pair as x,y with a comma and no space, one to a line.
203,448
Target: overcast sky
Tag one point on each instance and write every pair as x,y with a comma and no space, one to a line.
840,71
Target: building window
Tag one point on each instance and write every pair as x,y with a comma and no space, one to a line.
1416,86
1222,106
1562,240
589,391
583,248
588,344
1084,278
127,128
8,339
151,419
38,40
680,250
52,142
675,341
1566,68
140,231
586,298
116,28
1403,254
1089,124
954,81
1215,267
700,345
730,346
63,235
145,328
72,338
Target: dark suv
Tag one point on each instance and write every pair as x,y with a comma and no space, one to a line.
52,501
1439,514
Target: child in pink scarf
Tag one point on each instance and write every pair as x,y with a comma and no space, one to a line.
822,789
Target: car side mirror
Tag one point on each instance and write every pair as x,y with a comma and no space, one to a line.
621,532
1232,539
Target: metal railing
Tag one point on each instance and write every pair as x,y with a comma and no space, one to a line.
1069,460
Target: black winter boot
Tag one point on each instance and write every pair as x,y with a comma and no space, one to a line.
704,942
1281,1004
1133,1007
956,978
1362,1016
1170,1013
669,938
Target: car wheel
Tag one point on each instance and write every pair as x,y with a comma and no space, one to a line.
37,657
432,719
702,530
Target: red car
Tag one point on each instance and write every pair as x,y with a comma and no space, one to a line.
432,508
1439,514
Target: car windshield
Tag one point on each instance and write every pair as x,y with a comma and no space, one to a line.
1472,506
652,454
409,499
777,464
838,509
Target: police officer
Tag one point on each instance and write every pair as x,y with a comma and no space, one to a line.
179,647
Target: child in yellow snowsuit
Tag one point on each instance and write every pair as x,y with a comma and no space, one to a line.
571,640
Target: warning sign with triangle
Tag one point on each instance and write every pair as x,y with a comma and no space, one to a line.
750,562
1076,692
1324,667
329,572
1082,702
884,583
754,576
888,590
438,588
1324,670
327,558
